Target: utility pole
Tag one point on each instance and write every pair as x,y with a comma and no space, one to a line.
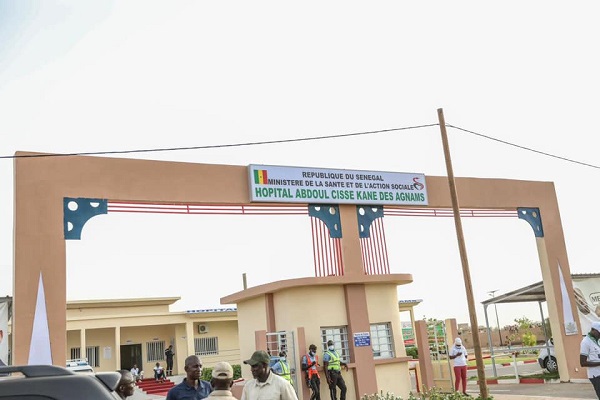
483,390
492,293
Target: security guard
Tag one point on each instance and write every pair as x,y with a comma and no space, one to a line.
309,364
332,364
282,368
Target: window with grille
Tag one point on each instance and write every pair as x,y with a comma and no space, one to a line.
93,355
155,351
339,335
75,353
205,346
382,341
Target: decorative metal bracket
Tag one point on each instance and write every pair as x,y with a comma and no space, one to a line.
533,216
366,215
77,211
330,215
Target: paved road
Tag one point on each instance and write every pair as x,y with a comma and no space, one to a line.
522,369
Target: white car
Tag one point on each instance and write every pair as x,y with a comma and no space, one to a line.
80,365
546,357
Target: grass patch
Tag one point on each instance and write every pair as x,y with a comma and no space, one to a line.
503,360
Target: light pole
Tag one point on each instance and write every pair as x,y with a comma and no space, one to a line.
492,293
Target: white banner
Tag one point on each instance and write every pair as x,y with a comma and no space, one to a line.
282,184
570,325
3,333
587,299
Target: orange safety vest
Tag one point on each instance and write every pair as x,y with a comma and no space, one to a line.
312,370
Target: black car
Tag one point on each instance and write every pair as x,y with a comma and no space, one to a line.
48,382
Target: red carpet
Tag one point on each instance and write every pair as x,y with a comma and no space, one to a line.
150,386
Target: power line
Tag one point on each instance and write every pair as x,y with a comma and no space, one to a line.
305,139
524,147
217,146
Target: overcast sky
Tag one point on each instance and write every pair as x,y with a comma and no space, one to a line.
101,76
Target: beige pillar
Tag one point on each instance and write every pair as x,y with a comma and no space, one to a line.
189,338
425,366
82,343
117,348
365,379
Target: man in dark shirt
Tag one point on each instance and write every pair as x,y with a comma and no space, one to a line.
192,387
169,356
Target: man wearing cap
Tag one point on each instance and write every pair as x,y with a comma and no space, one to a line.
458,353
222,380
589,356
266,384
192,387
332,365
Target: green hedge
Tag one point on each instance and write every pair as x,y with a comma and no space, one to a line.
433,394
207,372
412,352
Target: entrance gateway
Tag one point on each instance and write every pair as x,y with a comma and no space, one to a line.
42,224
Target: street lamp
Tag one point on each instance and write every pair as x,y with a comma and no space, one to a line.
492,293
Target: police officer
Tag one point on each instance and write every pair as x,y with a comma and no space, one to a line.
282,368
332,364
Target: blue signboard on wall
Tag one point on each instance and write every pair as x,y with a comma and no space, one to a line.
362,339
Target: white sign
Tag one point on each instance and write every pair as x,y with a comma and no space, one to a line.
3,333
282,184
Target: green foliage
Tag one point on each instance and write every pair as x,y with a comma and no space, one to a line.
412,352
381,396
524,325
237,371
207,372
430,394
529,339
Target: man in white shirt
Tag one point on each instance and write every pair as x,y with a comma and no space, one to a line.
458,353
266,384
589,356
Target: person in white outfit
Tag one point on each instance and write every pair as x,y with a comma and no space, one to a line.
458,353
589,356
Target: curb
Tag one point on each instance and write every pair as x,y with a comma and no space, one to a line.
523,381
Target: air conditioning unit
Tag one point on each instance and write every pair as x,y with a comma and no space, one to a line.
202,328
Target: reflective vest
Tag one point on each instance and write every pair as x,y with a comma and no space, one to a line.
286,372
312,370
334,361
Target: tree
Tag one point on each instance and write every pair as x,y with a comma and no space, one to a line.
524,326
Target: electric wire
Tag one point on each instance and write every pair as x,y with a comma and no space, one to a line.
216,146
524,147
301,139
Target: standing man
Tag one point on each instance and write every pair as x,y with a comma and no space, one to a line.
458,353
1,337
332,364
282,368
192,387
266,384
169,357
222,380
309,364
589,356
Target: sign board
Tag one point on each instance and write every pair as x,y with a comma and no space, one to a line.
362,339
3,333
282,184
